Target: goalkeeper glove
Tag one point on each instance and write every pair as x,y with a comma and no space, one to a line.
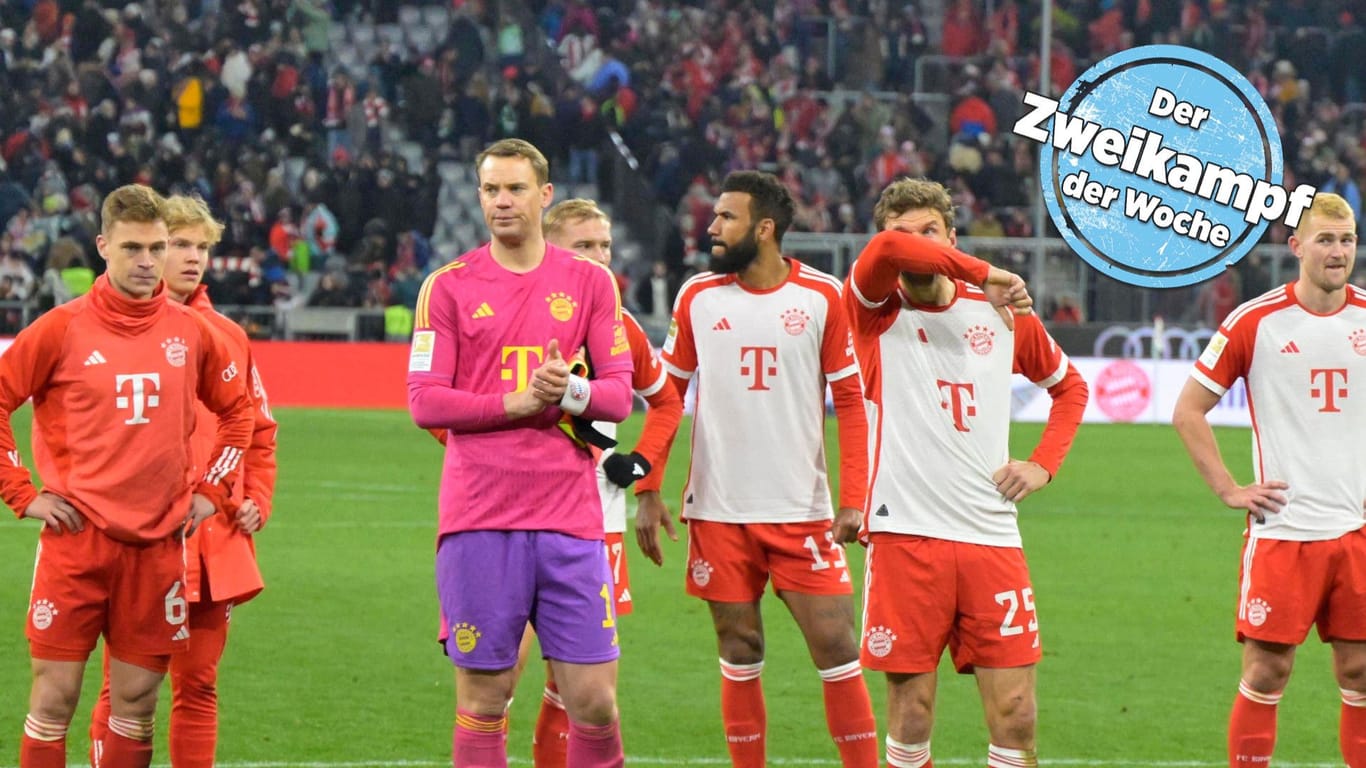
625,468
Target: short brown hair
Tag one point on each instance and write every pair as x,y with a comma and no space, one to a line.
768,199
131,202
913,194
573,209
183,211
1327,205
516,148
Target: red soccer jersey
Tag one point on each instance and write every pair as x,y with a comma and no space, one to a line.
225,552
114,383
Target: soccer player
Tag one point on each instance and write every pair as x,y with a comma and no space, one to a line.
764,335
220,559
521,533
114,377
945,565
581,226
1301,349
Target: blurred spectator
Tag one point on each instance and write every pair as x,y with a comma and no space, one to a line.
1342,183
319,230
1067,311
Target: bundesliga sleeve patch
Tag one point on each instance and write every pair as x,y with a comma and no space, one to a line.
673,336
420,357
1214,351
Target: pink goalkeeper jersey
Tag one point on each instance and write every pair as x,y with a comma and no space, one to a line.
480,332
1305,375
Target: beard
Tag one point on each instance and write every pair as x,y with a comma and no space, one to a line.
736,257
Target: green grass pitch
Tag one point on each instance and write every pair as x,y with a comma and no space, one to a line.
1134,565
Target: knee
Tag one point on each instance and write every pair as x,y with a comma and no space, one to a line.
195,689
1267,673
741,645
834,648
594,706
1351,672
1012,718
54,699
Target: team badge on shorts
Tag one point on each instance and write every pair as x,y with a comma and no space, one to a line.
466,636
879,641
1257,609
43,613
176,350
701,572
980,339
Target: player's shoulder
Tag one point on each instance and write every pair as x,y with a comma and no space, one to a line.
1249,314
1356,296
810,278
701,282
54,322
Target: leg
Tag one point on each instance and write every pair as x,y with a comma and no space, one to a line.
481,699
1011,711
194,687
827,624
99,715
1252,724
550,740
51,703
1349,666
133,687
910,718
590,702
740,641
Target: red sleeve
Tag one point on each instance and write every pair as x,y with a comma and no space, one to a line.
665,407
260,459
680,348
878,267
25,369
1228,356
853,441
1039,358
228,396
837,341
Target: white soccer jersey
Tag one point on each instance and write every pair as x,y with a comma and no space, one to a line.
647,377
1306,390
762,359
937,381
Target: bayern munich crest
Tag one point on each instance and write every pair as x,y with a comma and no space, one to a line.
795,321
43,613
980,339
701,571
466,636
1358,338
176,351
880,641
1257,609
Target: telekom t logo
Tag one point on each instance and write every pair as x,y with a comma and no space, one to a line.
1330,392
752,364
524,360
959,399
142,397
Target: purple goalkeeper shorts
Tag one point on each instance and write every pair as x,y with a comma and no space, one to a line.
491,583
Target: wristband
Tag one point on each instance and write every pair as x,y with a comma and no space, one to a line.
576,396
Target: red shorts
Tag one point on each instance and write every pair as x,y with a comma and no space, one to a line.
1286,586
921,595
621,575
86,584
731,562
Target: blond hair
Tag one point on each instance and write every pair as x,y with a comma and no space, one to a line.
568,211
1327,205
132,203
908,194
516,148
183,212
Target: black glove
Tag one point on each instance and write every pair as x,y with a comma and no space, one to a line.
625,468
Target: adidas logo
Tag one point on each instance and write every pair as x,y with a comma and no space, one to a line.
1291,349
721,325
95,358
181,634
484,311
638,470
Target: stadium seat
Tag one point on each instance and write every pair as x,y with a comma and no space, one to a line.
362,35
410,16
310,322
390,33
423,39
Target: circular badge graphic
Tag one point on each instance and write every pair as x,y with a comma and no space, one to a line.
1122,391
1162,166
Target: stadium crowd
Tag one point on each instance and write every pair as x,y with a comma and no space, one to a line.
264,109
